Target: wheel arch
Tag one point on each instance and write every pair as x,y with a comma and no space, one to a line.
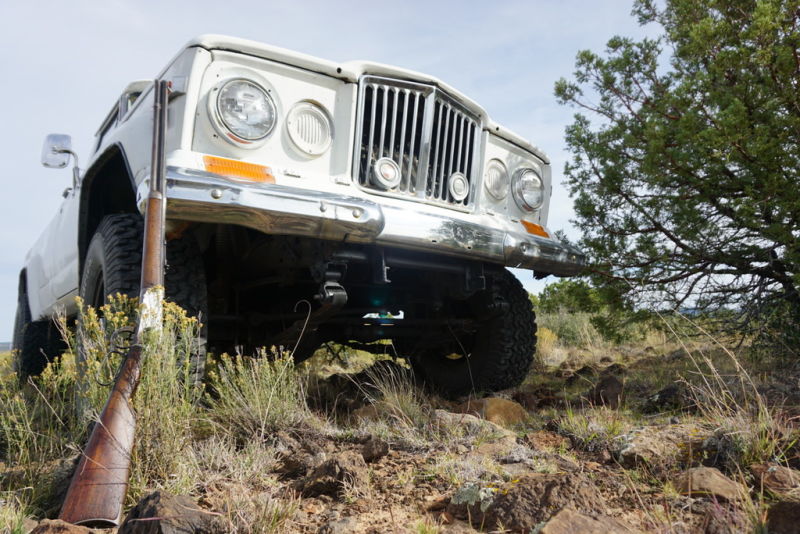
108,187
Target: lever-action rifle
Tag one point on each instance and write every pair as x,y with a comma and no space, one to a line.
97,490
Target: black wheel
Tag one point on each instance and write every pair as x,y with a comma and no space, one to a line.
35,343
497,353
113,265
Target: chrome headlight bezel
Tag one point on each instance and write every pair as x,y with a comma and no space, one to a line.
227,130
526,183
497,191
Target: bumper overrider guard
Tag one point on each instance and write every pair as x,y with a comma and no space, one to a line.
276,209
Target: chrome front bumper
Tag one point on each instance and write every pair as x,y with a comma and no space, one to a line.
276,209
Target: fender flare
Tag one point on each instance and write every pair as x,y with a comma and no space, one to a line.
99,165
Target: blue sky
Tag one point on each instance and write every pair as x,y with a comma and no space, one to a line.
63,65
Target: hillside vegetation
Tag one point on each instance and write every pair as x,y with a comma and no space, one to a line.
664,432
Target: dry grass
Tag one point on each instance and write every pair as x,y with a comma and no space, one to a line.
547,346
220,446
12,515
594,428
37,427
426,526
39,423
240,483
259,513
748,429
457,470
255,396
401,410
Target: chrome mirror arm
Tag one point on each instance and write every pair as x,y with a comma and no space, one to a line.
76,173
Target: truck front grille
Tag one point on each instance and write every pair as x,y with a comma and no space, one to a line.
426,132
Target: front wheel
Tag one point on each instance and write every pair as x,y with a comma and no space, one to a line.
113,265
497,354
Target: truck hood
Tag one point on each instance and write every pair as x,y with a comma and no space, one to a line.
351,71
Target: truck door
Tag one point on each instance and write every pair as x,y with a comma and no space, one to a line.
61,262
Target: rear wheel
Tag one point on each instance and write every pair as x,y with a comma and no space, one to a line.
35,343
113,265
497,353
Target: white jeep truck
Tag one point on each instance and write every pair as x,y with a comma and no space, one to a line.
351,201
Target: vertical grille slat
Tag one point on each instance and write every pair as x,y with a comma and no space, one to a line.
452,133
385,100
409,177
403,132
459,167
436,148
443,151
374,89
468,153
425,131
394,123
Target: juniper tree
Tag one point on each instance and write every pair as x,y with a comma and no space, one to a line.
685,156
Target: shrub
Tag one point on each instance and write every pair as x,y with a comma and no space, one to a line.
254,396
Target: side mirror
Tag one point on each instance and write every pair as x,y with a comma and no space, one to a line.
56,151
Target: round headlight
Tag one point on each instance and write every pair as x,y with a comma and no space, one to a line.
528,189
458,185
386,173
246,110
310,128
496,179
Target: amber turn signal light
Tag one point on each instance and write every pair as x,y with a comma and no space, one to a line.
535,229
232,168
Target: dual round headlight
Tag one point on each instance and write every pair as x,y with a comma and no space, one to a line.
246,115
246,110
310,128
528,189
526,186
496,179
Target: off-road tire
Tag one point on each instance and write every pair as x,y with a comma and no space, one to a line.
498,356
35,343
113,265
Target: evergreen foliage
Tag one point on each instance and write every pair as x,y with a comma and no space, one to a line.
686,157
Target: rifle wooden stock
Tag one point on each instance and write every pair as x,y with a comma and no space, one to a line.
100,482
98,487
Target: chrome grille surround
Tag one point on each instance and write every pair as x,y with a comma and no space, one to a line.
429,134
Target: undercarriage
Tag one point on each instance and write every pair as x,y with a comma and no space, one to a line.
266,290
464,326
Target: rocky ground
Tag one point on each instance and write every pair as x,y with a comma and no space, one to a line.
616,445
